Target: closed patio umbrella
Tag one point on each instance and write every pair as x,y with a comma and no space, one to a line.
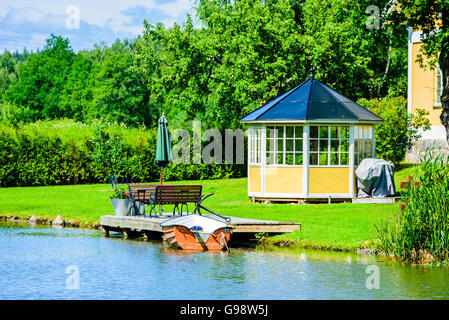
163,144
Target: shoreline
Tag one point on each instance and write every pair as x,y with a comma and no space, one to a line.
344,227
44,221
75,223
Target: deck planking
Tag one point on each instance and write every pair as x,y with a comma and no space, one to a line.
243,228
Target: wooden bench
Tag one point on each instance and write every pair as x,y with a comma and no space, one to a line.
180,195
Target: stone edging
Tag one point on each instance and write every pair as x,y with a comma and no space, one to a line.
58,221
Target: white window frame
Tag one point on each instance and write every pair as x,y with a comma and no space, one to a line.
284,146
256,146
329,143
438,86
362,139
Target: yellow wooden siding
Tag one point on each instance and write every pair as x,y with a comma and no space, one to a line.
328,180
255,179
423,88
283,180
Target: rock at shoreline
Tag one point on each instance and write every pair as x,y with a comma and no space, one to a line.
73,223
363,252
58,222
14,219
32,220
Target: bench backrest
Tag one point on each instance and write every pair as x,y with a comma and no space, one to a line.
141,192
170,194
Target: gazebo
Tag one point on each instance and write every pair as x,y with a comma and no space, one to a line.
307,143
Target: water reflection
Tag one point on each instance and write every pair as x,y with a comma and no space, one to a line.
34,262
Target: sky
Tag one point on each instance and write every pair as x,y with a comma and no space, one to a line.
27,23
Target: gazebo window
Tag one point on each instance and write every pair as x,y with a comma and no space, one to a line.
363,143
329,145
255,145
438,85
284,145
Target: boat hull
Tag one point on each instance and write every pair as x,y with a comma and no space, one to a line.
182,238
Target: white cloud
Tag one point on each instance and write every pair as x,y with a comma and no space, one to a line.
25,23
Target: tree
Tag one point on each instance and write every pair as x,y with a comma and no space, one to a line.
245,53
9,68
8,72
119,93
432,18
42,78
77,95
357,57
109,151
399,130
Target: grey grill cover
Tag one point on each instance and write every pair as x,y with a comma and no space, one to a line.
375,178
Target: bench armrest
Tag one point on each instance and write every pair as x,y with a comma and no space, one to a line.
203,197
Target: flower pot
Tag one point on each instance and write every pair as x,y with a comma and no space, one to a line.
121,207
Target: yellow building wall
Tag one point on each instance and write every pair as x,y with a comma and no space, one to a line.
328,180
255,179
423,88
283,179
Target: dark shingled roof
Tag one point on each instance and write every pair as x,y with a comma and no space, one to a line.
312,100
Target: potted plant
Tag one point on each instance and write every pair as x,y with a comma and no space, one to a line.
120,201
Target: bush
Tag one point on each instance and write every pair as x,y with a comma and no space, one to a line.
15,116
119,193
420,229
67,152
399,130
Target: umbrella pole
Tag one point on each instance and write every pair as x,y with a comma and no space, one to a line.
161,177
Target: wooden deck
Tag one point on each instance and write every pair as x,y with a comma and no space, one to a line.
376,200
244,229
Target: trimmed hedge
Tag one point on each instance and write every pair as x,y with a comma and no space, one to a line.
65,152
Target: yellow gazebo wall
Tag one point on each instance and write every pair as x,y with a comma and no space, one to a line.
328,180
255,179
283,180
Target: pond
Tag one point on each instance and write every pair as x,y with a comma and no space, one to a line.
50,263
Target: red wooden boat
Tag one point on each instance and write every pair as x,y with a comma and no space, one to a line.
195,232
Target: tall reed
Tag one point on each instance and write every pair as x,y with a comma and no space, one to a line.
419,230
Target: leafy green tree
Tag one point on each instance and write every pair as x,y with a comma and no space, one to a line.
354,55
399,130
247,52
9,64
119,93
242,54
8,72
41,79
15,116
77,95
109,151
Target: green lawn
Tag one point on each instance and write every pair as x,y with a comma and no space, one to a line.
342,226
